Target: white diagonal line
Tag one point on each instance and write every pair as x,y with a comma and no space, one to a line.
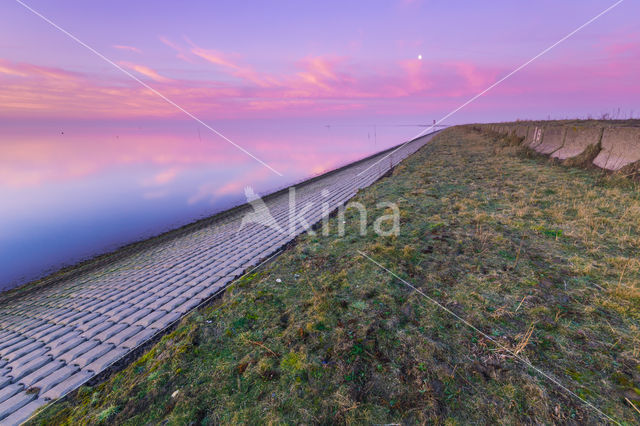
495,342
166,99
572,33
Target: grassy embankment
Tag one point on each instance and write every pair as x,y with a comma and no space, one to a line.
541,257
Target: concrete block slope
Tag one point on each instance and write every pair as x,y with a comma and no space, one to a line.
577,140
56,338
534,137
620,147
552,140
521,131
615,144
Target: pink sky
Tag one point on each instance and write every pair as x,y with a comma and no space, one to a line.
323,85
353,71
364,65
304,86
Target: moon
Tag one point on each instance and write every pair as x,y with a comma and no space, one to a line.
420,57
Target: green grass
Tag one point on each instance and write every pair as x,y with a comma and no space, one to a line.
508,241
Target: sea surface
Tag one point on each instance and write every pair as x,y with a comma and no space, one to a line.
72,190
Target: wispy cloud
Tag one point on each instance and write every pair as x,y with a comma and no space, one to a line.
9,69
239,71
127,48
146,71
307,86
22,69
181,52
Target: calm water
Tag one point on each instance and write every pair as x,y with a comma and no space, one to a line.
71,191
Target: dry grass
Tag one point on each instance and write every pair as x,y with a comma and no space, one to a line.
585,159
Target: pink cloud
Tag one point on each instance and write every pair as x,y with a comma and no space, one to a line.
241,72
622,48
9,69
146,71
623,58
22,69
308,86
182,53
316,84
319,72
127,48
416,77
32,91
611,71
476,78
270,105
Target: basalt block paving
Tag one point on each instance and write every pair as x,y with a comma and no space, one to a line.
577,140
552,140
15,403
23,414
620,147
55,338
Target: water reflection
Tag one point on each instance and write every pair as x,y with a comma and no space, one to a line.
73,190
